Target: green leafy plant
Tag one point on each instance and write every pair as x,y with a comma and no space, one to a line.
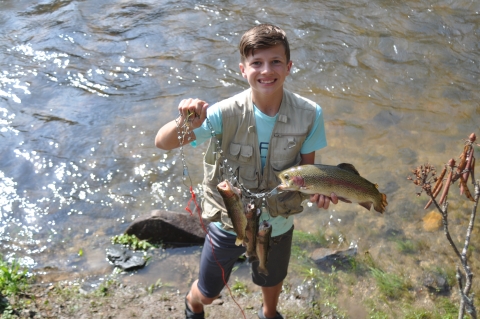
132,241
391,285
13,278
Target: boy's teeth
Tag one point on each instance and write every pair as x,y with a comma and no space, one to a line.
266,81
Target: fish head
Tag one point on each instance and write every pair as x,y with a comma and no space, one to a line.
291,180
226,189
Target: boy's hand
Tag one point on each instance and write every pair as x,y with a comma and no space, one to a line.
194,111
323,201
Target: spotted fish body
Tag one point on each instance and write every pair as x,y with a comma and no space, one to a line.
264,238
235,209
250,241
343,180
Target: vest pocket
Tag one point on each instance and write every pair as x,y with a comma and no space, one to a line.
287,146
241,152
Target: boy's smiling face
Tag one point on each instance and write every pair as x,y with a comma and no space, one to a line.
266,70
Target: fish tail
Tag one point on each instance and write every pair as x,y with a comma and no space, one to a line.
380,207
238,241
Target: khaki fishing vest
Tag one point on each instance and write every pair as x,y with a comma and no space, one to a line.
240,149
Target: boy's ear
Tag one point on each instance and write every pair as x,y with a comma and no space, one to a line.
289,65
242,69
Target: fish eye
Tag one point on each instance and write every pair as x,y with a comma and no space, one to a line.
286,176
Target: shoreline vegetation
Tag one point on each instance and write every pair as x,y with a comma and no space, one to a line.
355,287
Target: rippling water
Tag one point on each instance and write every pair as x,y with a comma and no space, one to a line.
85,85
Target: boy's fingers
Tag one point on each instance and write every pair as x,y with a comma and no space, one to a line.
334,198
203,112
191,108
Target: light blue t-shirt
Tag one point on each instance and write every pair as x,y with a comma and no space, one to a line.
315,140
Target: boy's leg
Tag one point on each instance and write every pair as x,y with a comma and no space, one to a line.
196,300
270,299
212,277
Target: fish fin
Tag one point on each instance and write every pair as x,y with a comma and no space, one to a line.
381,207
238,241
344,200
367,205
348,167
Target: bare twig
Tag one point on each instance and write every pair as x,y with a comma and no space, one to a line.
466,302
423,177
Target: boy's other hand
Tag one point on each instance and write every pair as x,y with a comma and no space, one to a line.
194,111
323,201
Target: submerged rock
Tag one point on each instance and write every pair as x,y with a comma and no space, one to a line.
168,227
327,258
436,282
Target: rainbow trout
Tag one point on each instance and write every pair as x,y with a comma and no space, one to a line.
264,236
343,180
235,209
250,241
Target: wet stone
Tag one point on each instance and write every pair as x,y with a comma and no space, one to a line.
169,228
326,258
125,259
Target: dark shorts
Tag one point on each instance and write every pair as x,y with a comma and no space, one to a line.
212,278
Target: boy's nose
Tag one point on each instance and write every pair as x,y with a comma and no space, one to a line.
267,68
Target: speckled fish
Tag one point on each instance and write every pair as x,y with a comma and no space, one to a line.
235,209
264,237
343,180
250,241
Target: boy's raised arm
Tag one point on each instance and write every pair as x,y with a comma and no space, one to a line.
194,111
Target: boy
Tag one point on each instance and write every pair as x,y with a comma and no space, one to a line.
261,131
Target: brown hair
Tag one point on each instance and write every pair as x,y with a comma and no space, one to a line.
262,36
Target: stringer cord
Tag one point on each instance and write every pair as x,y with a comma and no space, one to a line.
193,198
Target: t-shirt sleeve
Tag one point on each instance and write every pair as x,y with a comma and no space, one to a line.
316,139
204,132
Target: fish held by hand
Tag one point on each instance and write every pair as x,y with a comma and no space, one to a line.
343,180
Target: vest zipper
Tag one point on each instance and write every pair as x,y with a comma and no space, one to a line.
288,134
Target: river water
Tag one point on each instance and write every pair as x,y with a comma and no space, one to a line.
85,85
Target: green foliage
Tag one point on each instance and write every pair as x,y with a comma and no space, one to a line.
391,285
239,287
447,308
7,311
374,311
326,282
152,287
13,278
132,241
104,289
406,246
